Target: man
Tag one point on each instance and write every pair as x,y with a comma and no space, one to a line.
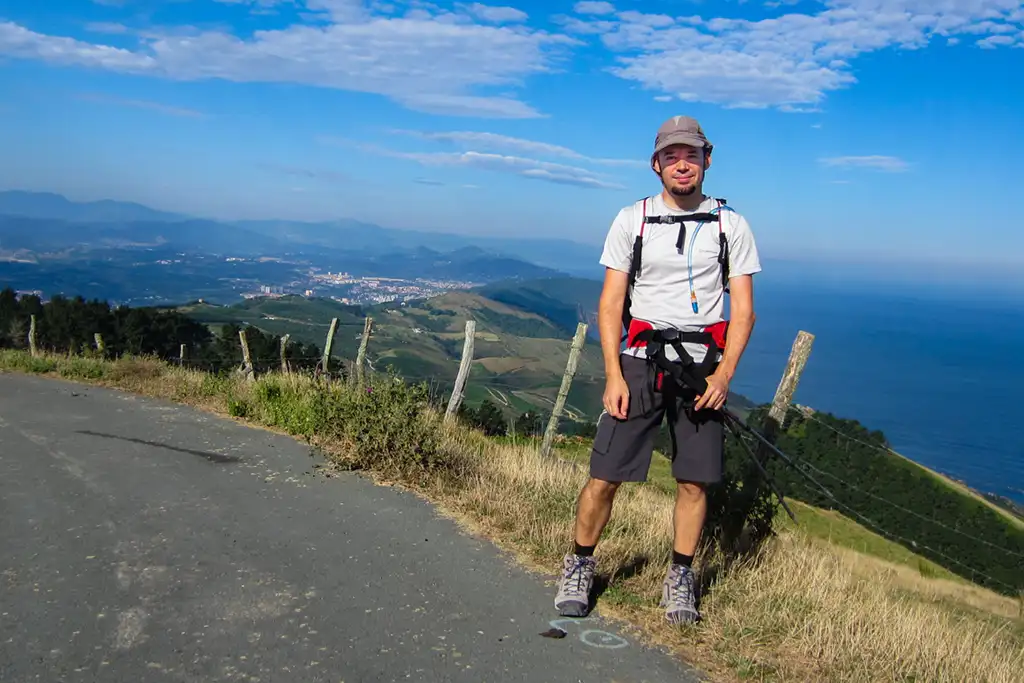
683,269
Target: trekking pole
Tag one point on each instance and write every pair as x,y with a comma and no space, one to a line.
761,469
736,420
700,385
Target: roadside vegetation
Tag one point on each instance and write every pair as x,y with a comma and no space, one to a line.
801,608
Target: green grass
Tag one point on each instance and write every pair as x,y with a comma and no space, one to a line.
833,527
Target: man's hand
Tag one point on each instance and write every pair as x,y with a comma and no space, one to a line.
718,391
616,397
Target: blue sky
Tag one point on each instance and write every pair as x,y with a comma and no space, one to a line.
848,130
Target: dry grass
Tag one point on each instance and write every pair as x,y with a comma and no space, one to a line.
803,610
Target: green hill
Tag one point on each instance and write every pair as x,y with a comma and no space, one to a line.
519,355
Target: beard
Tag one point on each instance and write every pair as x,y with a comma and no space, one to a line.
681,191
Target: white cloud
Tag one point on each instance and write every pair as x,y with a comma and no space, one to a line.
529,168
170,110
497,142
443,63
257,3
536,169
473,58
107,27
592,7
496,15
874,162
789,61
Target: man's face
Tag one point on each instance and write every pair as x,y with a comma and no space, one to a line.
681,168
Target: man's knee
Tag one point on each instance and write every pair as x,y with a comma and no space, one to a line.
690,491
601,489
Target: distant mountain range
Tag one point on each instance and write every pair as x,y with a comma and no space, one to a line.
47,221
130,253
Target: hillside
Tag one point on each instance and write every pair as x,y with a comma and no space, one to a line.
519,355
562,300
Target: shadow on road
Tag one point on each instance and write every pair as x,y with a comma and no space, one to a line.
212,457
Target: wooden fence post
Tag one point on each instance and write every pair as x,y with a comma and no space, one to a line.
324,363
563,392
98,338
746,525
32,336
361,355
246,368
284,359
460,381
798,356
181,355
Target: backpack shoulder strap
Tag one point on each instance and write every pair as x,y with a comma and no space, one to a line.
634,267
723,243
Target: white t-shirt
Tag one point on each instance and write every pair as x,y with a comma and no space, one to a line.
661,295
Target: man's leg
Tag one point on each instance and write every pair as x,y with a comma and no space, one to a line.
622,452
688,520
697,462
593,510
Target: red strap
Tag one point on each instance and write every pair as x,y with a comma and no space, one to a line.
718,332
635,328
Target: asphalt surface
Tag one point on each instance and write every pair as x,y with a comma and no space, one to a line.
146,541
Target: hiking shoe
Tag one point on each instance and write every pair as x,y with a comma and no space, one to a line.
573,598
677,596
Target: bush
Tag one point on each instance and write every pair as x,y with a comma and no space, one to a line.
385,426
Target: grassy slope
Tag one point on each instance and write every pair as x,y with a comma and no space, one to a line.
808,611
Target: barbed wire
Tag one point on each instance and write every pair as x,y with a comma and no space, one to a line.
889,502
897,538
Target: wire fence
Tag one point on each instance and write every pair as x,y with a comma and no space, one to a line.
915,545
317,364
860,516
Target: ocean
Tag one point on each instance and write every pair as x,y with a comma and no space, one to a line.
939,373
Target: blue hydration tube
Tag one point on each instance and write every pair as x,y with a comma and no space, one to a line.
689,256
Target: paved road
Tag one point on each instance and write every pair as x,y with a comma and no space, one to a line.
145,541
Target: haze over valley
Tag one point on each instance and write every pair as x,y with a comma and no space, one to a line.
131,254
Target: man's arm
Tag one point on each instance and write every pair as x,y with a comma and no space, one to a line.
609,319
741,323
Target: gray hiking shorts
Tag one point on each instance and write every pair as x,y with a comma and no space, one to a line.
623,448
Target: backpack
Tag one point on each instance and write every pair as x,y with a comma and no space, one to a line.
635,263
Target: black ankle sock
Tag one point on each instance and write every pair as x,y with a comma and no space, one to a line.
583,550
679,558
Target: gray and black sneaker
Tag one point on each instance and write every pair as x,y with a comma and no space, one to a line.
573,598
677,595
